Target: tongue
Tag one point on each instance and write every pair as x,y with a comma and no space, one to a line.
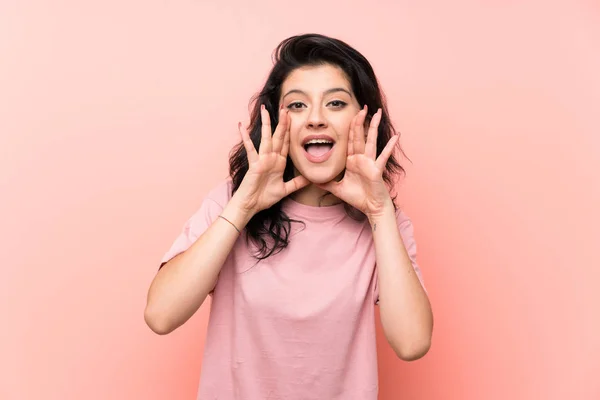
318,150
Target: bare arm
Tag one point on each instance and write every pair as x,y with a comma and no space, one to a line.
182,284
405,311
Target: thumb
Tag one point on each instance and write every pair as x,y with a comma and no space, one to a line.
332,187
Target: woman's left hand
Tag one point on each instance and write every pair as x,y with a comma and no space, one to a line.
363,186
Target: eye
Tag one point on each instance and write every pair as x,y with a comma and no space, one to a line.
338,104
295,105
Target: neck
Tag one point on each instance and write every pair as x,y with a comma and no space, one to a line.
313,195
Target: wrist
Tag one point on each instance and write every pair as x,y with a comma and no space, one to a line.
387,211
238,215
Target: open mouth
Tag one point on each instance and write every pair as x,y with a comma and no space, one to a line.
318,147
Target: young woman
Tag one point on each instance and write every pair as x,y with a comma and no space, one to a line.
302,242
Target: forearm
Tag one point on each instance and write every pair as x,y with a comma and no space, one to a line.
182,284
405,311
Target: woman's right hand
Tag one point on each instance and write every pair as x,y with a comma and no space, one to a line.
263,183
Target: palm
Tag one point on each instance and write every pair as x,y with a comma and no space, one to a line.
362,185
263,184
265,178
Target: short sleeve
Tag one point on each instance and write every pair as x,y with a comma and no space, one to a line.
405,227
209,210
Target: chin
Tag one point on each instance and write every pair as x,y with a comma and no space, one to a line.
319,178
320,173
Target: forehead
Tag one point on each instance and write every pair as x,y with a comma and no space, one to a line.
316,79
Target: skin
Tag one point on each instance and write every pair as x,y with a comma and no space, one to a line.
315,100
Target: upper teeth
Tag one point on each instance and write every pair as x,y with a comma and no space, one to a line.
316,141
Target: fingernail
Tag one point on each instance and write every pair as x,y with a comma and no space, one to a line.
262,106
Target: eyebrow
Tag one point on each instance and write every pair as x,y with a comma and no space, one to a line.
328,91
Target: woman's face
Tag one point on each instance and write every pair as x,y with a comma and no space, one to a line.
322,106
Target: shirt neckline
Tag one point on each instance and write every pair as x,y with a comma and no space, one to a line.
313,212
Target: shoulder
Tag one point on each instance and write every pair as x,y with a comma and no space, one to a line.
405,226
402,218
220,193
213,203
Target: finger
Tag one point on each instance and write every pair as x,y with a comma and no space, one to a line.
359,131
386,153
265,140
286,141
279,134
371,146
248,145
351,137
295,184
332,187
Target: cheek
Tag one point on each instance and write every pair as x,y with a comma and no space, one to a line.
343,131
295,129
295,125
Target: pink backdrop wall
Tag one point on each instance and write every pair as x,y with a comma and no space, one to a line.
116,117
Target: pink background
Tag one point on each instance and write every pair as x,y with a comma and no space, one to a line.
116,117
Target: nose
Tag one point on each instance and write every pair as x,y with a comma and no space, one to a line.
316,119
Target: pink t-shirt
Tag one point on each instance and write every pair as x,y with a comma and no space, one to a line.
299,325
